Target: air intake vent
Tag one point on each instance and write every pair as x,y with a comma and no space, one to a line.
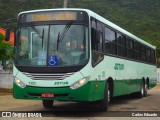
44,76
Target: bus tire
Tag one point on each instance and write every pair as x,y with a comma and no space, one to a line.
145,90
103,104
47,103
140,94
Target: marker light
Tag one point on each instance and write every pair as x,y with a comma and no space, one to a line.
19,83
80,83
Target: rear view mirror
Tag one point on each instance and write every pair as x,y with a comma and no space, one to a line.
7,36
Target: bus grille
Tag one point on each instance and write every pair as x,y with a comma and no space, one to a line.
46,76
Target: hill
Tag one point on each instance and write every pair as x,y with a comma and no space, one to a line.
140,17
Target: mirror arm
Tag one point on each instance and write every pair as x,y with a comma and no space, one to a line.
10,20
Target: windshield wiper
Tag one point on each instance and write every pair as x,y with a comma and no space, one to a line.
58,39
61,36
42,37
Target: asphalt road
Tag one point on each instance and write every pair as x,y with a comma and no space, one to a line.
125,105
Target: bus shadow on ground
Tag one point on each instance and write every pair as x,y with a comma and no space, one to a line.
77,109
74,109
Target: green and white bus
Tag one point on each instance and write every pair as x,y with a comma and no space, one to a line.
77,55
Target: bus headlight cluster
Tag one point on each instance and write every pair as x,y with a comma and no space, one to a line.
80,83
19,83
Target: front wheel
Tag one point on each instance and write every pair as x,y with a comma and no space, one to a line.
47,103
103,104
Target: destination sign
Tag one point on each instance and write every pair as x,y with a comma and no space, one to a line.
59,15
52,16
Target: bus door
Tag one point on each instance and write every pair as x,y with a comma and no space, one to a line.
97,57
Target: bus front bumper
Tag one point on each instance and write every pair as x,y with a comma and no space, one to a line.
83,93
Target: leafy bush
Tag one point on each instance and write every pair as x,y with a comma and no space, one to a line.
6,50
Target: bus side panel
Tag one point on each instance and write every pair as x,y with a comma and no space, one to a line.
99,90
99,73
148,72
115,71
128,86
131,85
117,87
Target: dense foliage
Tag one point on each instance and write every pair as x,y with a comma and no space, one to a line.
6,50
140,17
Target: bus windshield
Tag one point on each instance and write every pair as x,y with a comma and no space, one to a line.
51,45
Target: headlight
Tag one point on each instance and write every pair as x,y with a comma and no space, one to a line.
80,83
19,83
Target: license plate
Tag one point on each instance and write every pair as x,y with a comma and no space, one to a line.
47,95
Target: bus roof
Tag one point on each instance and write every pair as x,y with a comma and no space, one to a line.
100,18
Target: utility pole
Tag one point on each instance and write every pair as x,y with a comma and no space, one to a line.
65,3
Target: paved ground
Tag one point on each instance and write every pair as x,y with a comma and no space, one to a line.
84,111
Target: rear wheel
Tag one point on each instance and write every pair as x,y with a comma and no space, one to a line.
140,94
103,104
47,103
145,90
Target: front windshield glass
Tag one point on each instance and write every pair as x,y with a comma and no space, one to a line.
52,45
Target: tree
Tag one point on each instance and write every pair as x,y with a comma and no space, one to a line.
6,50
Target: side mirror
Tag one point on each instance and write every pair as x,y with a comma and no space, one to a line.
7,36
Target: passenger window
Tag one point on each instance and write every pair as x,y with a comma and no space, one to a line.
121,41
153,58
110,35
143,53
110,42
130,43
148,55
137,49
130,48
